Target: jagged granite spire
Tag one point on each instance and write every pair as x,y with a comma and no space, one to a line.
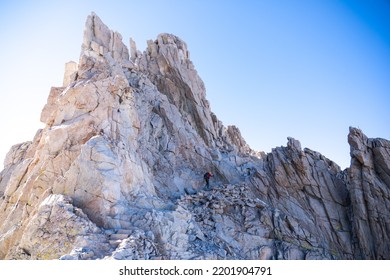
369,188
100,40
117,172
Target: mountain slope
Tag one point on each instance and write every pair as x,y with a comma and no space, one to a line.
118,173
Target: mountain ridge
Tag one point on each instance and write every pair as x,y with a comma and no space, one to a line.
117,173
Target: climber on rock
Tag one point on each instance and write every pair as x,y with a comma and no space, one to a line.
207,177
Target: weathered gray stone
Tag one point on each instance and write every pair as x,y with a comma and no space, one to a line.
369,188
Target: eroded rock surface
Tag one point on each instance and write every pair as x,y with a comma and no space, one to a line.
369,188
117,173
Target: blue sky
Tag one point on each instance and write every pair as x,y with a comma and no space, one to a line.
274,68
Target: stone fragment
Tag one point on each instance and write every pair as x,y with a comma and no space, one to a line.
70,73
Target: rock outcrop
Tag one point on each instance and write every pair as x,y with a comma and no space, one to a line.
369,188
117,173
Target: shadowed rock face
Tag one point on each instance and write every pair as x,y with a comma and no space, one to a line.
117,173
369,187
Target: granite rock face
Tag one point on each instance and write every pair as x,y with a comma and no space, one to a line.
117,173
369,188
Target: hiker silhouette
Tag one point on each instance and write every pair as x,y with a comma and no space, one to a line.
207,177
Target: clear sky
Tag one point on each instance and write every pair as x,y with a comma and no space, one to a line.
274,68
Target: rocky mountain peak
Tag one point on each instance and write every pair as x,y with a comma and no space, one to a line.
167,64
117,173
99,40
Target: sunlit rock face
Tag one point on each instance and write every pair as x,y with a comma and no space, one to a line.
117,173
